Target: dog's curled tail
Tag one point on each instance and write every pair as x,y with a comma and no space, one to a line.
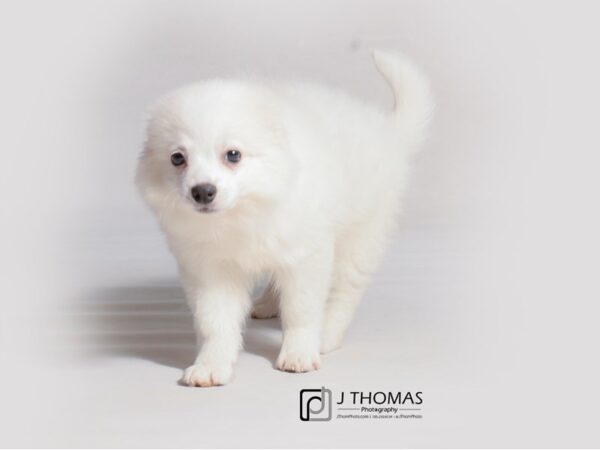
414,102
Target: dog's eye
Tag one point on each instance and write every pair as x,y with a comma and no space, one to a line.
177,159
233,156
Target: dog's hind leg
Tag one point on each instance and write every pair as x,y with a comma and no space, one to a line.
267,306
357,256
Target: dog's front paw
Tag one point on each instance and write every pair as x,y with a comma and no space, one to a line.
296,361
298,356
207,375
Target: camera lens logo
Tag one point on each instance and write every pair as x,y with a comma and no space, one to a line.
315,404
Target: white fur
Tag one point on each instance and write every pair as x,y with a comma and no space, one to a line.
311,204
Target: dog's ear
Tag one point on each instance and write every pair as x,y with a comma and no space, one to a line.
280,135
147,177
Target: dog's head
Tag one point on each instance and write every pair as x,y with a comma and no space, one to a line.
214,147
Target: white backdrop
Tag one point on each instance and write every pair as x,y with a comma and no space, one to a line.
488,300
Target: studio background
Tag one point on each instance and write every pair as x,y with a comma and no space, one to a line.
488,298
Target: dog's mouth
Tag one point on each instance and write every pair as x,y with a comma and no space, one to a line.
206,209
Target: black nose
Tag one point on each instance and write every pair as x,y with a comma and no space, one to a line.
204,193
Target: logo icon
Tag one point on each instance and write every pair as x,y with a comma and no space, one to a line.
315,404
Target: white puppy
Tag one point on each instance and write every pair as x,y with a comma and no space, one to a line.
296,181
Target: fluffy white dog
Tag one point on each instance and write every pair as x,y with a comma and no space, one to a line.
290,180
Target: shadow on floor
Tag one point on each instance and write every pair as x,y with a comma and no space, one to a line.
153,322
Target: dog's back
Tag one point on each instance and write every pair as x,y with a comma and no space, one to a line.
354,155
